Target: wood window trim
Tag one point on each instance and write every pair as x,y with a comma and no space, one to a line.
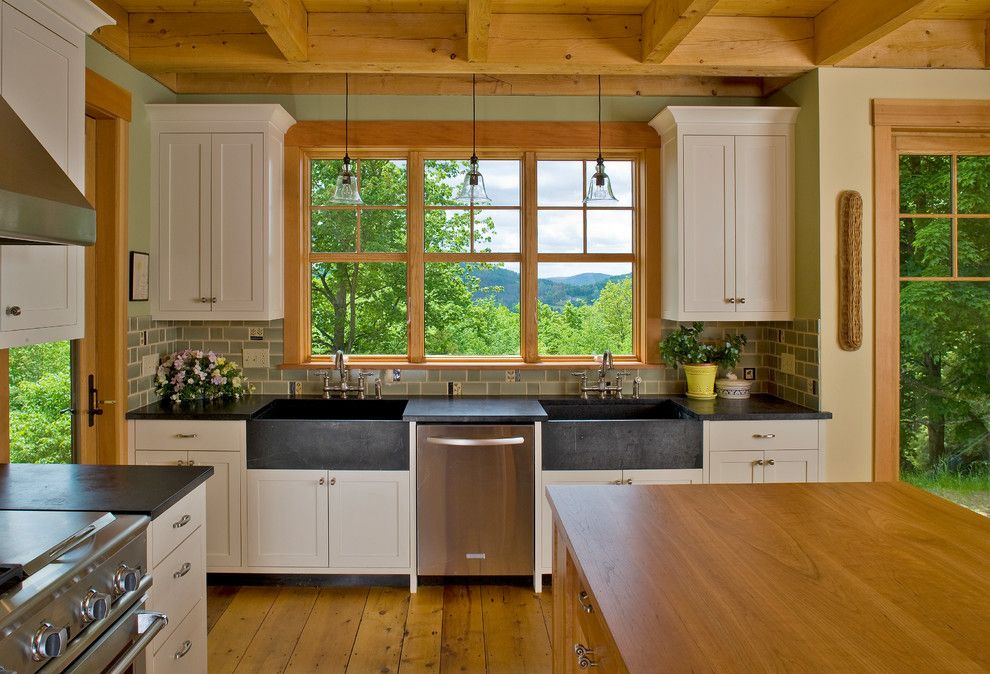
913,126
527,141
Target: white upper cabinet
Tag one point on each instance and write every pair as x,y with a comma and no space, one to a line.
42,78
728,213
217,211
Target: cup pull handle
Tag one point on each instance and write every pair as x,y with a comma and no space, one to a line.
186,647
183,521
183,570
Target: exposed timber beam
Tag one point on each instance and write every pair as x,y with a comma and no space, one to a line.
460,85
667,22
945,43
534,44
115,37
847,26
479,25
287,24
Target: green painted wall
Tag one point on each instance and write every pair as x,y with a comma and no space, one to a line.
143,90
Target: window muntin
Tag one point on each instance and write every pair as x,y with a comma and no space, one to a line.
479,250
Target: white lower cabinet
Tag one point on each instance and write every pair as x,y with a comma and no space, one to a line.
185,651
764,452
347,520
288,518
598,477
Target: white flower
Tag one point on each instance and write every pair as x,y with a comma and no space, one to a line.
236,381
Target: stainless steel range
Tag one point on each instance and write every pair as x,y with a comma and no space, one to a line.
72,592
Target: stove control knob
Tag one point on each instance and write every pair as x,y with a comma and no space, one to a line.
95,606
125,579
49,642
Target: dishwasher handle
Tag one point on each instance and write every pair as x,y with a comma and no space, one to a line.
476,442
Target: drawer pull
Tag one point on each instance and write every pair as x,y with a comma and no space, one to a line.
186,647
764,436
186,436
585,602
180,462
183,521
186,568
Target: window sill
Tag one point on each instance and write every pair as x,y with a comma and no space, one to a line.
355,362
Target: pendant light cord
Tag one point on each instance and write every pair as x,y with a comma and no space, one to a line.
347,106
599,116
474,116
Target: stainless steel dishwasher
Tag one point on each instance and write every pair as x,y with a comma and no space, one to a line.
475,496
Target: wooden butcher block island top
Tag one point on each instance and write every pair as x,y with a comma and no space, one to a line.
797,578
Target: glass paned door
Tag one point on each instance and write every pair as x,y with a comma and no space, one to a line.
945,326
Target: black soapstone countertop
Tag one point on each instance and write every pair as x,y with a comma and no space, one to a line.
474,410
137,490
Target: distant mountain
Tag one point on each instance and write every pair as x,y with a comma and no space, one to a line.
503,285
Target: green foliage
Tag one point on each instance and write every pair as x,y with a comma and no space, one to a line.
40,389
945,344
685,345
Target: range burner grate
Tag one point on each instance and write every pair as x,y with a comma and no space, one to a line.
11,575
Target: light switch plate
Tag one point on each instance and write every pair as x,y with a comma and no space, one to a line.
254,358
787,363
149,365
511,376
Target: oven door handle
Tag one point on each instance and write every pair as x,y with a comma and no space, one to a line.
150,624
475,442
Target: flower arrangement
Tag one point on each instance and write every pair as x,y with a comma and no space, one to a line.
198,375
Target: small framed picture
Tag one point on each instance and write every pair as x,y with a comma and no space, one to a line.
139,277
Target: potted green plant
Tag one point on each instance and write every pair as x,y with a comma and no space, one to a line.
700,359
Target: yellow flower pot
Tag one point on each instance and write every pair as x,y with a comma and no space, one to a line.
701,381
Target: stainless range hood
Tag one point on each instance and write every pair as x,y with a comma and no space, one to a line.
38,201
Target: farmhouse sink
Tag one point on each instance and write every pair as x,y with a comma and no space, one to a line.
607,410
334,410
619,434
318,434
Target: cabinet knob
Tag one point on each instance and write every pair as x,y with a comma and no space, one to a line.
204,300
758,462
585,602
323,480
730,300
333,481
628,480
771,462
742,300
213,300
13,311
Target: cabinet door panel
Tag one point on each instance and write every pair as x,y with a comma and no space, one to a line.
238,224
735,467
564,477
160,458
763,242
369,519
709,216
663,476
44,281
42,80
791,465
223,507
184,222
287,518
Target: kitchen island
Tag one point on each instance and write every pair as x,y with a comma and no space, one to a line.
795,577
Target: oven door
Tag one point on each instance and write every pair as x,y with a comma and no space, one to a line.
122,644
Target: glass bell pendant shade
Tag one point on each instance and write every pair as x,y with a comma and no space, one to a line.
600,186
346,191
472,189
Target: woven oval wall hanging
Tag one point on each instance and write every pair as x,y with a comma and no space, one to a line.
850,270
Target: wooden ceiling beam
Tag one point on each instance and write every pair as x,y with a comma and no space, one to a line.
947,43
460,85
479,25
848,26
116,38
437,43
287,24
667,22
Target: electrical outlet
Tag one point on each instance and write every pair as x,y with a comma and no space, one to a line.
256,334
512,376
143,338
254,358
149,365
295,388
749,373
456,388
787,363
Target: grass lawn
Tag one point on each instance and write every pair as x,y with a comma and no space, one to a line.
970,491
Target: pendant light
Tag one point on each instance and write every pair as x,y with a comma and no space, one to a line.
472,190
346,191
600,185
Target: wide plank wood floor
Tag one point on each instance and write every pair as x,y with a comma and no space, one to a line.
379,630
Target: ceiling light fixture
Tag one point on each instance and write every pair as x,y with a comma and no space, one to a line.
600,185
347,190
472,190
